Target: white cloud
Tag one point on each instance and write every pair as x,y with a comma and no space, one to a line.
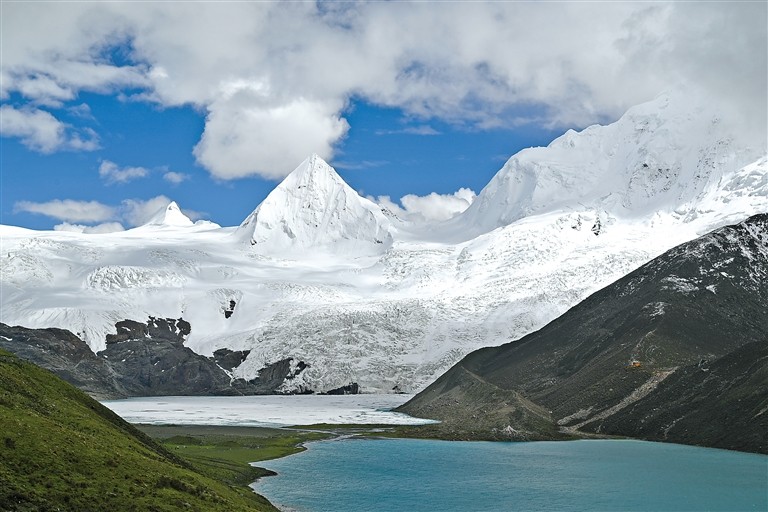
37,129
40,131
275,78
411,130
438,206
107,227
431,207
175,177
112,173
69,210
244,136
130,212
359,164
82,111
44,90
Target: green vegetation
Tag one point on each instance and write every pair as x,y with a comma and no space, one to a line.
225,452
62,450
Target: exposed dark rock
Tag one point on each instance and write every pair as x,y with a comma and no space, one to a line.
596,227
272,377
168,329
128,330
350,389
674,351
702,400
67,356
230,310
230,359
164,366
144,359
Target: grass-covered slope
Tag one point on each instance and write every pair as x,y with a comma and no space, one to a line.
62,450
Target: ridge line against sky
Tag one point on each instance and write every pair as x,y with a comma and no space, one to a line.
110,110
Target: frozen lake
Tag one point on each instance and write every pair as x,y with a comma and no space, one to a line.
264,411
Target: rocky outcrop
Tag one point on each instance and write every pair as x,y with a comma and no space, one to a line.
273,379
675,351
230,359
67,356
350,389
145,359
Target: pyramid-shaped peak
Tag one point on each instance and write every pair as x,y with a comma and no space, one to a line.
314,207
170,215
312,169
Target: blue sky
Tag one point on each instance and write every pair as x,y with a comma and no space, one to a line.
111,109
379,156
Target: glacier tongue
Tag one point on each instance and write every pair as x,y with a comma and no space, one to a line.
313,208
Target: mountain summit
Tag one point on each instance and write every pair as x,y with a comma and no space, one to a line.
314,208
170,215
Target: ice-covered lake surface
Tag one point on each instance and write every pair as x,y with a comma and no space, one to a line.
264,411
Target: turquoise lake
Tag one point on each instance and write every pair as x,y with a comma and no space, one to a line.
359,475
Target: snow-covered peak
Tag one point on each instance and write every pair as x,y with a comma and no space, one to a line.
170,215
314,208
665,155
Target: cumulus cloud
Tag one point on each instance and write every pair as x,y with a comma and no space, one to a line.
131,212
275,78
431,207
69,210
40,131
438,206
243,138
175,178
106,227
112,173
37,129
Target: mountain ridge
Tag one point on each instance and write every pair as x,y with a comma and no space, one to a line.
660,155
653,355
390,316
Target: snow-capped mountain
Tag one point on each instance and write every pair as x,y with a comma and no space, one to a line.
314,208
318,274
660,157
694,317
170,216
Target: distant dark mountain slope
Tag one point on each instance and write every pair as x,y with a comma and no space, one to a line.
62,450
66,355
676,351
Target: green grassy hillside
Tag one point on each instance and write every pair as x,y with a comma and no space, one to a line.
62,450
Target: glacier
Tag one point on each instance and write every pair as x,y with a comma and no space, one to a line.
320,274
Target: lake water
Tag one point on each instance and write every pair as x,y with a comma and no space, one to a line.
358,475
